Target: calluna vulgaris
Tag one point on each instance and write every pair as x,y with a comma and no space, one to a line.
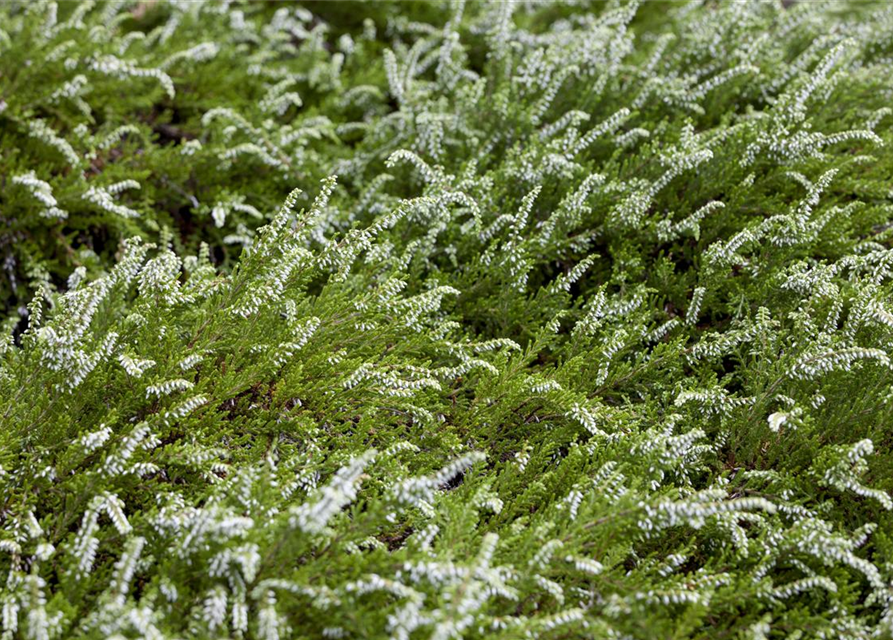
446,319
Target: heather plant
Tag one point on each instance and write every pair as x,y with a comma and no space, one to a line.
466,320
120,119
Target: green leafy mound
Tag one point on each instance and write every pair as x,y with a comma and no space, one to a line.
581,326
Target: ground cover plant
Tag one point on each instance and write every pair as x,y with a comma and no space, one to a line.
446,320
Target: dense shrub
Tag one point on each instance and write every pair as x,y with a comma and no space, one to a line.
417,320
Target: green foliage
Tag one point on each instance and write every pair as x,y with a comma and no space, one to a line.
580,327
